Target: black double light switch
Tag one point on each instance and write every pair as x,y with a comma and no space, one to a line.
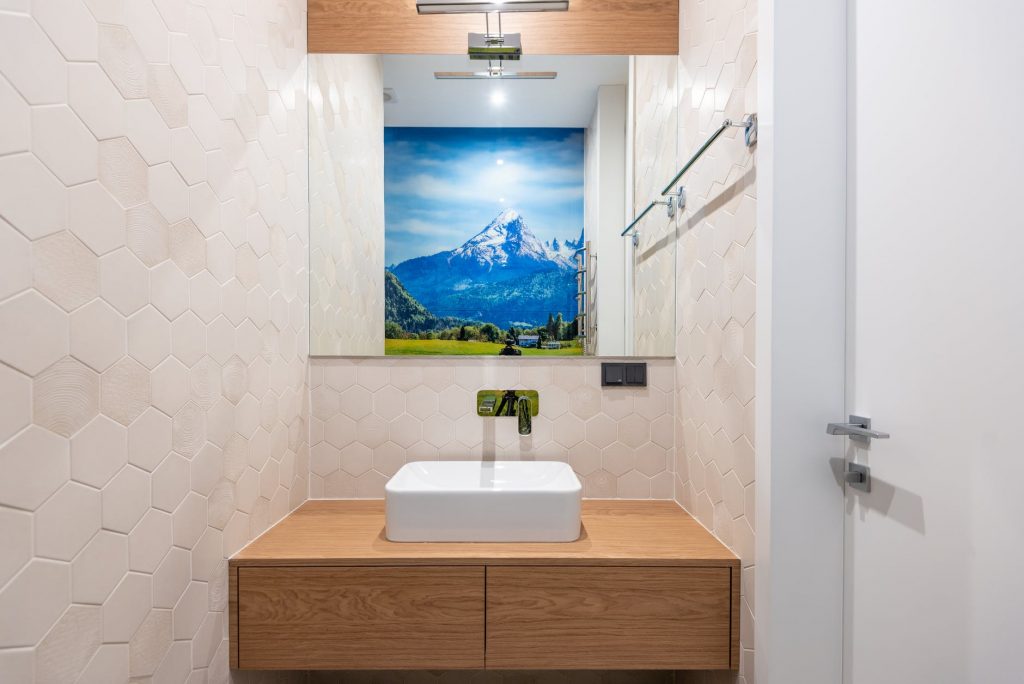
624,374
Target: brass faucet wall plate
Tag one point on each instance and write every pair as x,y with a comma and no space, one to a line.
489,401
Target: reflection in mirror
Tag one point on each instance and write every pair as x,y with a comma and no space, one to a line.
453,212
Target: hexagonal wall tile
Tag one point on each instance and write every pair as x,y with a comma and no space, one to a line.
188,247
127,607
71,27
124,391
69,645
15,402
38,595
168,95
189,521
34,200
170,483
149,337
35,465
204,296
125,499
188,338
121,59
65,270
98,452
15,261
150,643
188,429
99,567
65,397
15,135
171,578
147,234
149,541
124,281
169,290
16,537
146,130
67,521
64,144
123,171
169,386
95,217
30,61
95,100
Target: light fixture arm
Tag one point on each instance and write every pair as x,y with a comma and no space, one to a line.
499,36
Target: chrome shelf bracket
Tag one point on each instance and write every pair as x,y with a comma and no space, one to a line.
677,198
674,202
749,126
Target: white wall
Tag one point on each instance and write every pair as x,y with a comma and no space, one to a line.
604,208
153,355
716,315
800,345
346,204
653,270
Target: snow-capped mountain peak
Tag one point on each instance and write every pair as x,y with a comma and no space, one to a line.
507,238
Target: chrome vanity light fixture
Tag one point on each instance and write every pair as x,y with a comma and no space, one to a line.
475,6
492,46
495,72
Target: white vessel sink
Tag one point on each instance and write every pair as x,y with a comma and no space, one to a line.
470,501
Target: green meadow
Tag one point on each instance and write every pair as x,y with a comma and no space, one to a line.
467,348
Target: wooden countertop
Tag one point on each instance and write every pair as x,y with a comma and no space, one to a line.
615,532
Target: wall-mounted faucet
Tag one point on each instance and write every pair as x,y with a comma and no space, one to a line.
525,419
523,404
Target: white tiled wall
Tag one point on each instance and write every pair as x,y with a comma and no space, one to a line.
715,318
655,161
346,204
371,416
153,394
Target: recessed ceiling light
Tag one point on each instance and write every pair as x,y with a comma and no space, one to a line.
473,6
500,162
497,98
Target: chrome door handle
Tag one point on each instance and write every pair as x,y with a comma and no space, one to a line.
859,428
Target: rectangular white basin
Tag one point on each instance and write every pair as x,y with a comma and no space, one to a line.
472,501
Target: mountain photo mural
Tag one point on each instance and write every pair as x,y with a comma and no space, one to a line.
481,230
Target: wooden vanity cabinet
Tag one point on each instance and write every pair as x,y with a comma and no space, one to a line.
645,587
608,618
349,618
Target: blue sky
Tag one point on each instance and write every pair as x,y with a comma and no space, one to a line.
444,185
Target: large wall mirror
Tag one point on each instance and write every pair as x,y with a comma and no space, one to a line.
457,212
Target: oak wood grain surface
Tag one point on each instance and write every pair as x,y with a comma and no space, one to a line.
361,618
614,532
596,27
608,618
734,621
233,616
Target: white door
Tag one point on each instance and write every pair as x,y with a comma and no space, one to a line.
934,562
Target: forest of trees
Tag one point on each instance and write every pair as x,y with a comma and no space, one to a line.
555,330
407,319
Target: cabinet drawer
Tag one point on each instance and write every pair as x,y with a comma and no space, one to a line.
327,618
664,618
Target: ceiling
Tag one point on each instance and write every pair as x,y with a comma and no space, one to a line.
565,102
